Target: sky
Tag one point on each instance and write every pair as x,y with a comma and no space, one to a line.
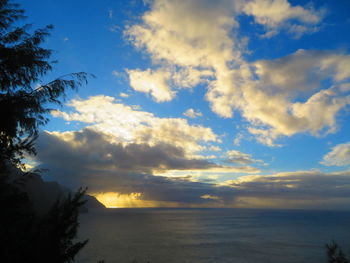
200,103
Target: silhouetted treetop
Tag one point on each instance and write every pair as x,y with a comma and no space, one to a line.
59,229
9,13
23,101
335,254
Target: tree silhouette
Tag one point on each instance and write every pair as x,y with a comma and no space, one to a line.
22,63
16,222
27,237
58,229
24,235
335,253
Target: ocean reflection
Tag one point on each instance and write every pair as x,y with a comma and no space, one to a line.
212,235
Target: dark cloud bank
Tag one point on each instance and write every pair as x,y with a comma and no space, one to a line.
88,158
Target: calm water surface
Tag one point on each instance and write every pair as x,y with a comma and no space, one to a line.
211,235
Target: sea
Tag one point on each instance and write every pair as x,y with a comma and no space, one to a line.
173,235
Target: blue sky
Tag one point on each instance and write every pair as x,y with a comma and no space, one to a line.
199,103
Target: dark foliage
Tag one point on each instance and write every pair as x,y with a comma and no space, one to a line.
335,253
26,237
59,228
16,222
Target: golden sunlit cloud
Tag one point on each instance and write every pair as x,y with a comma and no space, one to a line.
213,197
124,123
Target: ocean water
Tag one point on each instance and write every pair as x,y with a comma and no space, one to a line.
211,235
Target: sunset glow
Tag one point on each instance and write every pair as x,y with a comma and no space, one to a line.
116,200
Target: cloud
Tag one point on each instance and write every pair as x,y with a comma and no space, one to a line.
153,82
215,148
162,84
166,37
286,96
294,190
278,97
338,156
299,184
88,158
94,150
125,151
275,15
104,152
140,135
279,117
124,95
188,77
213,197
121,76
237,140
137,155
191,113
237,157
303,71
129,125
184,46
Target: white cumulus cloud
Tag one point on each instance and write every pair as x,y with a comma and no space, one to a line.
191,113
277,14
338,156
153,82
278,97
